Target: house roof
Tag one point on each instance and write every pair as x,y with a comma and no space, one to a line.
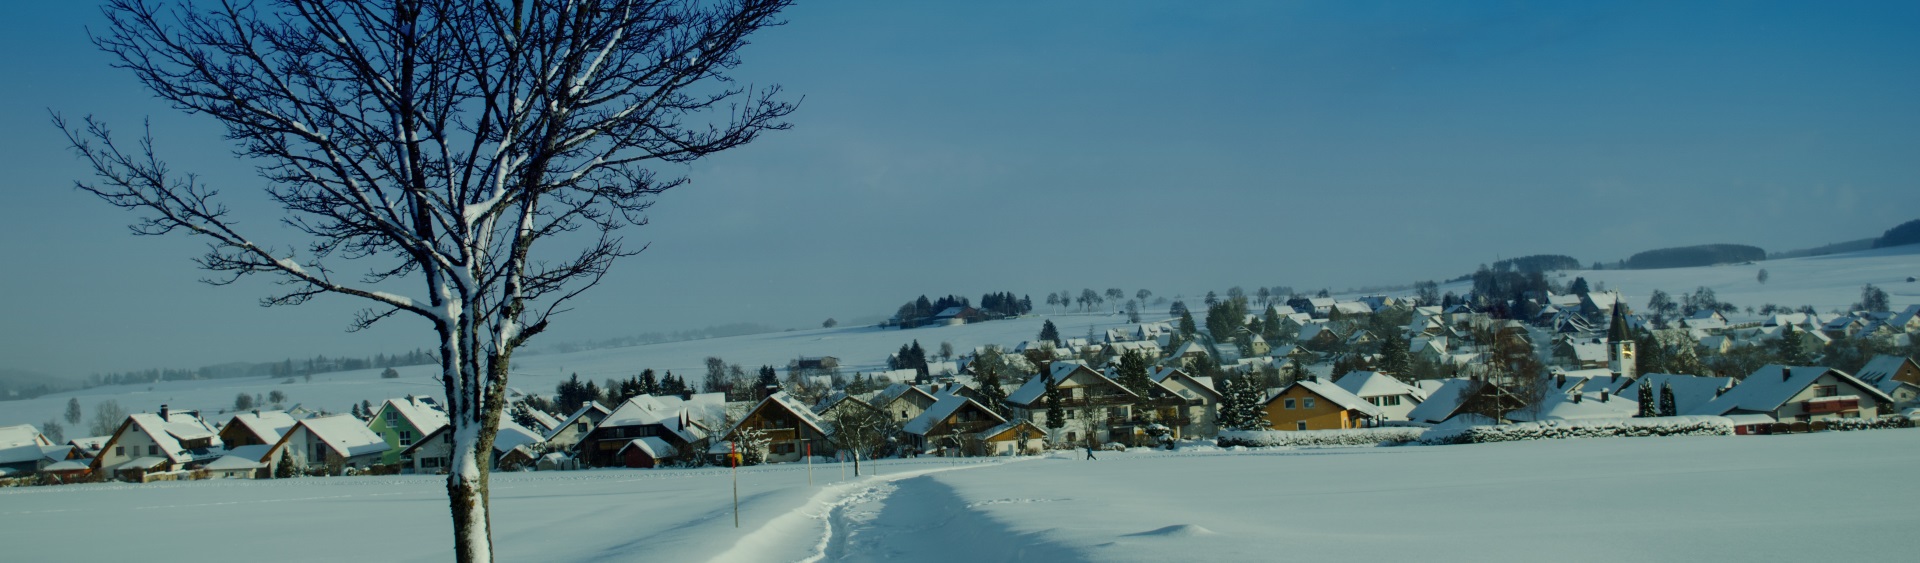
344,434
1880,370
894,392
1375,384
90,445
1590,405
1770,387
256,452
21,435
546,422
169,432
653,446
423,413
590,407
1442,402
1334,393
1031,391
268,425
680,416
800,411
34,453
233,462
949,404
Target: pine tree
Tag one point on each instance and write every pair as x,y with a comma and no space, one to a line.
1667,407
1134,376
1230,409
285,469
1049,333
1253,406
1394,358
73,411
1647,408
1056,414
988,379
1186,323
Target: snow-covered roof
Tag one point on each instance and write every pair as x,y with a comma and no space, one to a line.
591,407
268,425
1584,405
233,462
21,435
893,392
1441,402
683,417
256,452
1880,370
788,402
546,422
1342,397
1375,384
423,413
90,445
142,462
1031,391
653,446
34,452
167,433
1772,385
949,403
66,465
513,435
344,434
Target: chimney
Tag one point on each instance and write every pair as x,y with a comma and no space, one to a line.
163,412
1718,392
1576,398
256,412
1786,373
1560,380
1603,395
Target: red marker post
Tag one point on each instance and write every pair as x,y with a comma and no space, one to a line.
735,460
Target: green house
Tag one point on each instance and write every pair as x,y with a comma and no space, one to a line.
401,422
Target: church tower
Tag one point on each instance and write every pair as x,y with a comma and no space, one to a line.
1620,346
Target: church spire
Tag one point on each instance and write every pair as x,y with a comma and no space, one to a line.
1617,328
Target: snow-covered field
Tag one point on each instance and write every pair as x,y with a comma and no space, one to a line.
1810,497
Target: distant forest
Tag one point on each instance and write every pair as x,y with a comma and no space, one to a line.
1691,256
285,368
1906,233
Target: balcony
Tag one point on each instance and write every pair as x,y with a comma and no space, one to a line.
1829,405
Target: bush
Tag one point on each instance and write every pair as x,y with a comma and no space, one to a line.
1319,438
1561,429
1851,424
390,374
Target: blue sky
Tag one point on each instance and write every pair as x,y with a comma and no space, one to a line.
1034,147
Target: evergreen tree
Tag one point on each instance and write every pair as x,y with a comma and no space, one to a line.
1789,349
366,408
1647,407
285,468
1394,357
73,411
1056,414
1048,332
1579,287
1134,376
1667,407
987,376
355,411
1187,328
1253,407
767,383
1230,409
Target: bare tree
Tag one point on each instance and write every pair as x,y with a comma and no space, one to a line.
432,144
861,431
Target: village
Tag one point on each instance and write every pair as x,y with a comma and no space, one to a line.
1373,369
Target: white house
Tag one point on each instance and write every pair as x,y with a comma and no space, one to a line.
328,442
1800,394
1394,398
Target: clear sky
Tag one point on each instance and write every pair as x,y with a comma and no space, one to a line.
967,147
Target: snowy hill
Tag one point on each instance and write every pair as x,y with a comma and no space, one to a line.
1825,282
862,349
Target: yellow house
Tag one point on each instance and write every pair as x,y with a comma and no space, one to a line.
1312,404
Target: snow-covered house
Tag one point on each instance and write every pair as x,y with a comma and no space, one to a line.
27,459
158,442
1897,376
1015,437
1088,398
1394,397
255,428
789,427
953,424
329,443
679,423
1444,397
1316,404
401,422
1800,394
1198,416
22,435
577,425
902,402
543,423
513,447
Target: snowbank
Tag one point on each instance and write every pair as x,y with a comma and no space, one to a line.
1593,428
1320,438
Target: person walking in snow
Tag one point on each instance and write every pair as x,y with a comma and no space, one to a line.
1090,451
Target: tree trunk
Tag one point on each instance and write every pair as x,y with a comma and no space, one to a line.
467,494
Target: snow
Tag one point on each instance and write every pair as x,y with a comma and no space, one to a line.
1634,499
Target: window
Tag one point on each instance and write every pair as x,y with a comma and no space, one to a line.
389,415
903,413
581,428
406,438
1827,391
1309,403
785,448
1390,401
153,450
1301,425
319,452
1289,404
119,450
